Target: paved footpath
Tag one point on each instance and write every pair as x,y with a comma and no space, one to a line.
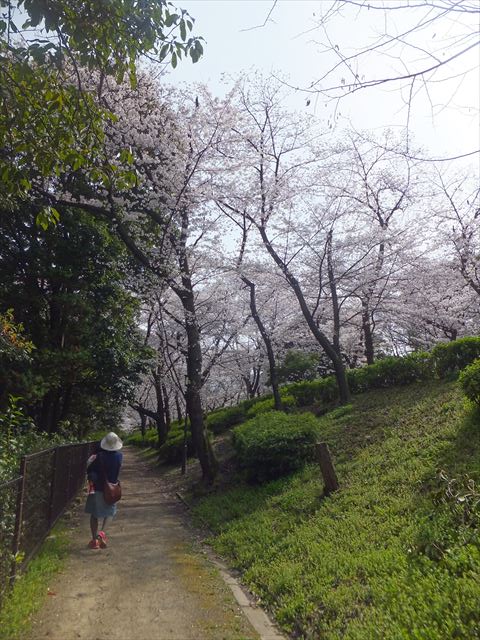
151,583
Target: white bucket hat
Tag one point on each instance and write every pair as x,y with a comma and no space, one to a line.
111,442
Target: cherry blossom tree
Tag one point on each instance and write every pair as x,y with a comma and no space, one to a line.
162,216
458,210
273,151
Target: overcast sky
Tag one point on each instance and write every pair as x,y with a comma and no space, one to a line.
290,45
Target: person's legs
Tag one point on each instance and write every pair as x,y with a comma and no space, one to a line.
94,527
102,538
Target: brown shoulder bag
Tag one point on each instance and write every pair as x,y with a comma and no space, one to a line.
112,492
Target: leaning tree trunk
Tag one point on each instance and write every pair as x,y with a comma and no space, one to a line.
320,337
268,344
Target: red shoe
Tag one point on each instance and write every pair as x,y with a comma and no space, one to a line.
94,544
102,539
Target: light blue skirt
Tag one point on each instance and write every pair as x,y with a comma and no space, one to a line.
98,508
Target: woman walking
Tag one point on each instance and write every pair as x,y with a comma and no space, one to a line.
102,467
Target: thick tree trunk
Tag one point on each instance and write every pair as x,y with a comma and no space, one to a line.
201,442
268,344
319,336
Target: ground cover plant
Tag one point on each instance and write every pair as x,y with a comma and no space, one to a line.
396,552
30,590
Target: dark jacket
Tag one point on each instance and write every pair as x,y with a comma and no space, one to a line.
106,462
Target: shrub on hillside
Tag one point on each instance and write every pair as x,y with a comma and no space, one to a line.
222,419
250,402
323,390
451,357
171,450
275,443
470,381
149,440
264,406
391,371
297,366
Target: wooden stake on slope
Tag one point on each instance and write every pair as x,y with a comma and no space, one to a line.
326,466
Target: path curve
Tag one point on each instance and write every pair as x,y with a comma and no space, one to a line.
151,583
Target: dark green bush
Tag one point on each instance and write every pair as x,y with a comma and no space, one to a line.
250,402
171,450
451,357
297,366
288,401
275,443
307,393
150,439
391,371
470,381
222,419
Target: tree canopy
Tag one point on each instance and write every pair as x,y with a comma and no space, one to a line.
49,121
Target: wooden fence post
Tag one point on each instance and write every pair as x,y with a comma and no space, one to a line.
18,517
326,466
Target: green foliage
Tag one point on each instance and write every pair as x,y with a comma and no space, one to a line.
384,373
451,357
247,404
391,371
66,288
171,451
263,406
222,419
48,123
15,351
274,444
470,381
29,592
445,359
354,566
297,366
150,439
322,391
19,436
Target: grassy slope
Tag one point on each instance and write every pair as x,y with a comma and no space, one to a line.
352,566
